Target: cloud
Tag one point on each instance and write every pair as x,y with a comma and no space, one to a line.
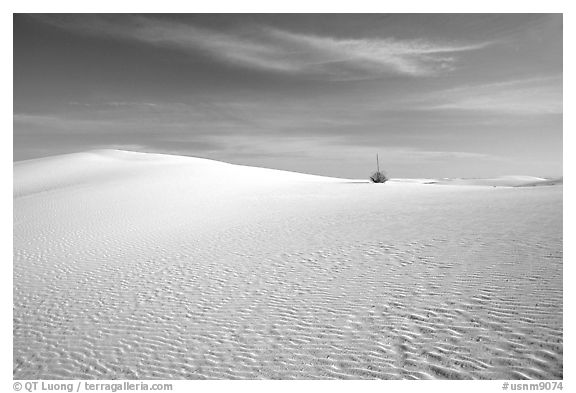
372,56
537,96
274,50
234,143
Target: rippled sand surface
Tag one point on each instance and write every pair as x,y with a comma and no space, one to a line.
130,265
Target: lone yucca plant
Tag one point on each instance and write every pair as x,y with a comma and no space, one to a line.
378,177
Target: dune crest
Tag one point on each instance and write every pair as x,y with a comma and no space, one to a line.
97,166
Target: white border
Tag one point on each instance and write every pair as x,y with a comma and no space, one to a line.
299,6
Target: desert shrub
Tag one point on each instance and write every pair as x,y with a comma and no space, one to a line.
378,177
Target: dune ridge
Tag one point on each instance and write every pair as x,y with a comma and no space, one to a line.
502,181
145,266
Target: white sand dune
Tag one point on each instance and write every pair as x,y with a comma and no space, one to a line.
545,182
133,265
503,181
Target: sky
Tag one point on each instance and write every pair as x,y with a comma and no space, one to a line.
435,95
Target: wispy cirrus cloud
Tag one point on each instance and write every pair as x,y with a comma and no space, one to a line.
537,96
373,56
275,50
